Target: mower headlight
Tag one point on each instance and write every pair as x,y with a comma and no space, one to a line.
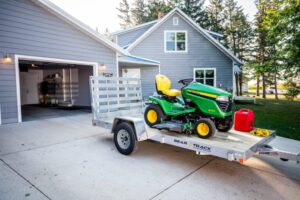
222,98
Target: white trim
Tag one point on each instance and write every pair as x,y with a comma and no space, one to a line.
134,28
176,31
196,26
159,69
117,64
136,62
206,68
155,61
17,71
46,59
51,7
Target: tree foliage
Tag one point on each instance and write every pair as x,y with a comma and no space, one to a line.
196,10
215,14
124,14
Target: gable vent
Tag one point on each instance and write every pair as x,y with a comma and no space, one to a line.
175,21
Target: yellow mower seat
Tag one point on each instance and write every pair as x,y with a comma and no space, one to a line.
163,85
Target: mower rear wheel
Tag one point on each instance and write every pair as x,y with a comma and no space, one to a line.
205,128
153,115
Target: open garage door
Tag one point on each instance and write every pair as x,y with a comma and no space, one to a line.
49,88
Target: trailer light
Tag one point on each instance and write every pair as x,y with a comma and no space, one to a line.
222,98
242,160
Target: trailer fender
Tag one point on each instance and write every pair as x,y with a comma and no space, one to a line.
137,124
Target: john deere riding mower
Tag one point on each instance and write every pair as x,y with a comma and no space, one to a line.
201,110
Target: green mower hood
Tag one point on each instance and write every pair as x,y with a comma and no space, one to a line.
206,90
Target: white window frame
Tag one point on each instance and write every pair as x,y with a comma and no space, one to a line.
175,31
175,21
204,78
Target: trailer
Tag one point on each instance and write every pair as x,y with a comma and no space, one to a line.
118,105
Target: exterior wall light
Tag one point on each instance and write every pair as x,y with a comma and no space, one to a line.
6,59
102,68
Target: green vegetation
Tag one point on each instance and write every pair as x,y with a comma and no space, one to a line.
280,115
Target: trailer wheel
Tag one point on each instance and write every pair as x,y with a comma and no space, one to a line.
205,128
153,115
124,138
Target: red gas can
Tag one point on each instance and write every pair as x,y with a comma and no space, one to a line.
244,120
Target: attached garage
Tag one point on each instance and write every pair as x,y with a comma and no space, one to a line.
51,88
46,57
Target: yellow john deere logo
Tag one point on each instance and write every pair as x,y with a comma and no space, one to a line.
203,94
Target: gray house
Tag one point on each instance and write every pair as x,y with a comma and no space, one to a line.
46,58
183,49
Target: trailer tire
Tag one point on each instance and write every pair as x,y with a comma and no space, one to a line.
124,138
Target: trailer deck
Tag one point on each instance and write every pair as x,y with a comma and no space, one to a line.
119,100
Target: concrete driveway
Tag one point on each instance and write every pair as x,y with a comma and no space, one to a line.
68,158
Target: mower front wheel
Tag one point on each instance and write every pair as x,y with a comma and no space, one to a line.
224,125
153,115
205,128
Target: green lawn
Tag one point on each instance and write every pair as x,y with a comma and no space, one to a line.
281,115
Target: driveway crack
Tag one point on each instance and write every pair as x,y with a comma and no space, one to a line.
181,179
20,175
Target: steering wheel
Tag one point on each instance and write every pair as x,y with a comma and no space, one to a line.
186,81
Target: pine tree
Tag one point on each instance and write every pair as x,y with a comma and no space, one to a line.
215,14
196,10
139,12
237,34
263,66
108,34
157,7
124,15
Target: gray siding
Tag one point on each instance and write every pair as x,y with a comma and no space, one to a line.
129,37
27,29
201,54
147,78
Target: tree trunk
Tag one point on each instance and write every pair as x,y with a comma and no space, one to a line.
275,82
264,86
237,84
257,86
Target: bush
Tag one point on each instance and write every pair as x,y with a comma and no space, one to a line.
292,93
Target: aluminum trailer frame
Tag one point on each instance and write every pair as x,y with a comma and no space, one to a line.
119,100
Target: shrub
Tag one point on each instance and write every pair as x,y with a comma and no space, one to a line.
292,93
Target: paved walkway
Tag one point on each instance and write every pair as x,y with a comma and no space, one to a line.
68,158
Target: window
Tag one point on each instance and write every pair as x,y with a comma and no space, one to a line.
175,21
205,75
175,41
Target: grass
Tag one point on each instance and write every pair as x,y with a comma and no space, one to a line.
280,115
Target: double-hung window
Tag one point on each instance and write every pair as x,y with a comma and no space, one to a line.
175,41
205,75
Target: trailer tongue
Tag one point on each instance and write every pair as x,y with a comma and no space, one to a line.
117,105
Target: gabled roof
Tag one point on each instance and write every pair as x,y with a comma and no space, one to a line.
135,27
138,60
192,23
46,4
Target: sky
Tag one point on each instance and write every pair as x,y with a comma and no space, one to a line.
103,14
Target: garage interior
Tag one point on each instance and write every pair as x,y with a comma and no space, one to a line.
49,89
